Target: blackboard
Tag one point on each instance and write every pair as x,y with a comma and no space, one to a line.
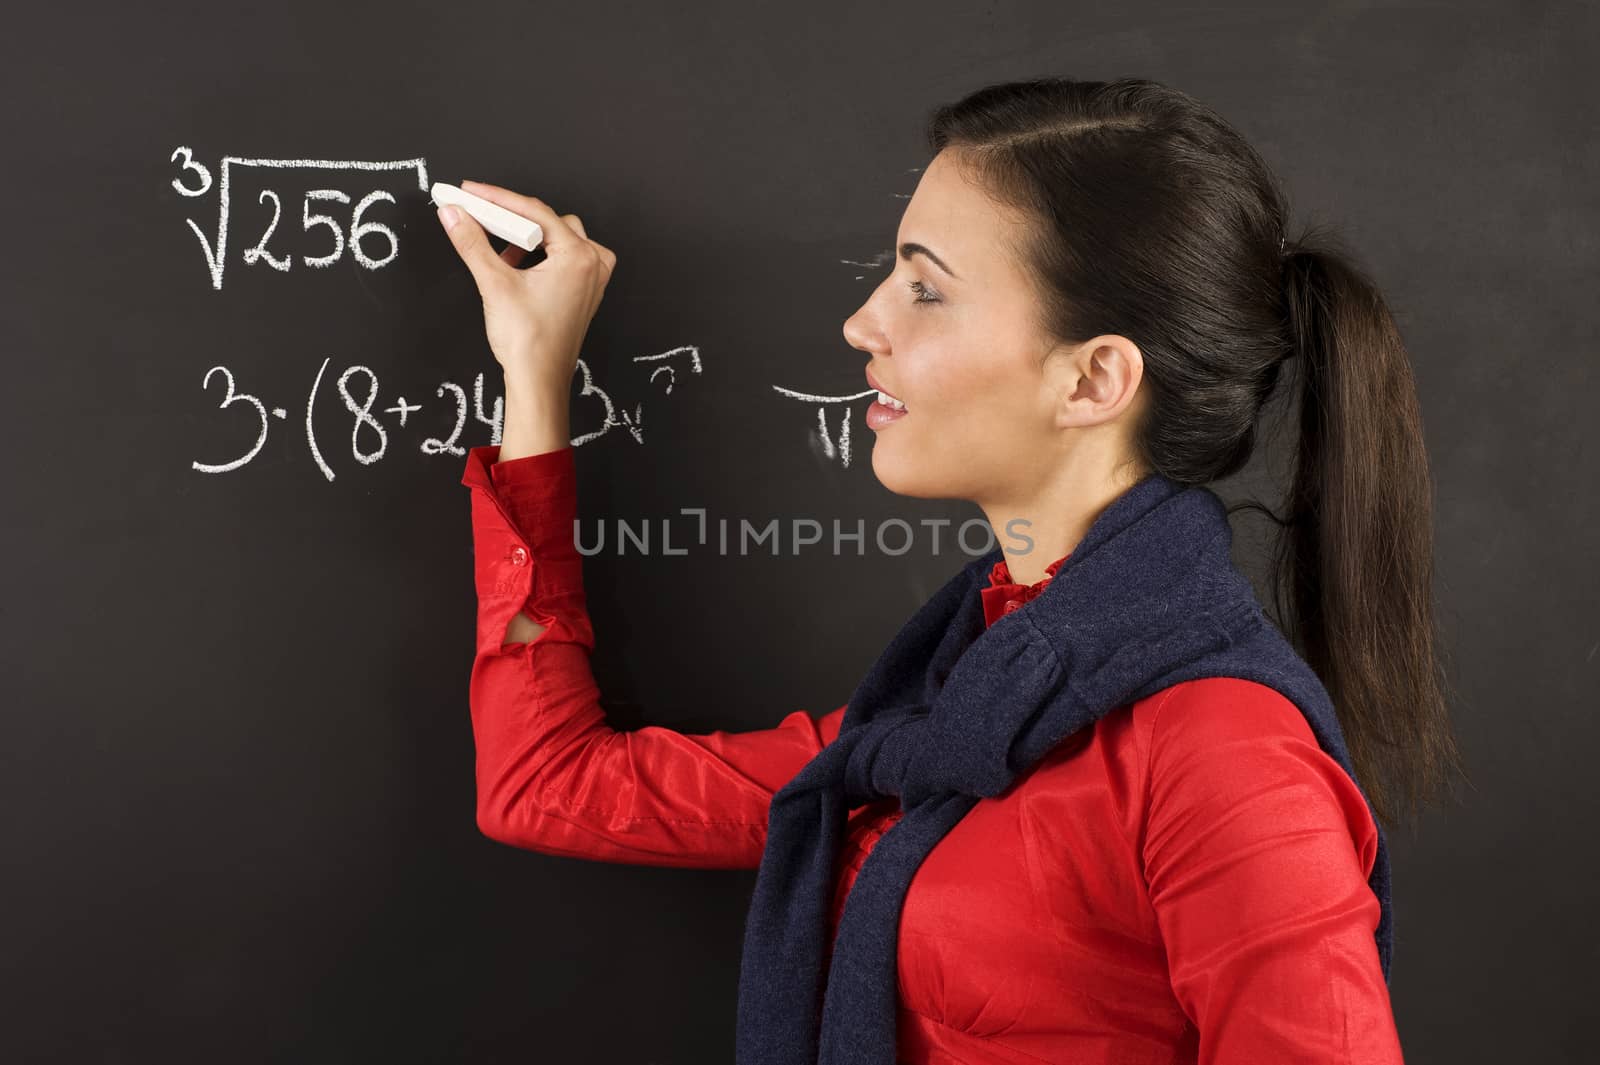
243,367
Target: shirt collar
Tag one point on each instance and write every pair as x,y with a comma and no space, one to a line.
1004,595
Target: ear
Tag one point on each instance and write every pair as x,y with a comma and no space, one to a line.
1096,381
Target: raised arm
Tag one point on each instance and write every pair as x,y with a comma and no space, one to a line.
552,775
1257,851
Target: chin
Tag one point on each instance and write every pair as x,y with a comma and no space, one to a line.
918,480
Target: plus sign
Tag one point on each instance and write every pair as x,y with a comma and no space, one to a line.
402,408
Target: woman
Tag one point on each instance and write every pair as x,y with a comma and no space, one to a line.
1131,827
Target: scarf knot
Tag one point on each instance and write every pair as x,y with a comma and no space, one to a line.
878,756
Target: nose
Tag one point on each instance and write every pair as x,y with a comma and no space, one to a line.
862,333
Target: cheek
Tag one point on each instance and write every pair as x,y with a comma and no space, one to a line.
982,422
968,390
946,373
973,426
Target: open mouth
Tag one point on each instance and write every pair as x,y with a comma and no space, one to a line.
885,410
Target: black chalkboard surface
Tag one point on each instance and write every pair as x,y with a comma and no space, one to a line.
244,367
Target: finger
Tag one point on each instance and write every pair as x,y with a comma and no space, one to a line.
576,224
557,234
513,255
472,244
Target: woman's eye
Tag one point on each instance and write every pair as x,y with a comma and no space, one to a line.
924,295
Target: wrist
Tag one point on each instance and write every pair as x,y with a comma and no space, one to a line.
538,385
535,420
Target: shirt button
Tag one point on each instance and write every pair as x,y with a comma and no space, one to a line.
519,555
1012,605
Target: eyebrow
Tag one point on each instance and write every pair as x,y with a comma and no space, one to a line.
908,249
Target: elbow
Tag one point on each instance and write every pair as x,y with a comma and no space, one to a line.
491,822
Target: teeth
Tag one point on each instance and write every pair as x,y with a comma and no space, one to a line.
889,401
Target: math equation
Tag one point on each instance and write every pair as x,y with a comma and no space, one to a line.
343,217
363,415
366,239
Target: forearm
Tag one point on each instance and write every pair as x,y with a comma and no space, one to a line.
552,774
536,420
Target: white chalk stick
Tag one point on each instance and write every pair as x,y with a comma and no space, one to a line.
507,225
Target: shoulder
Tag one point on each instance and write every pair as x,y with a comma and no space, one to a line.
1219,727
1205,714
1208,728
1217,710
1226,755
1201,714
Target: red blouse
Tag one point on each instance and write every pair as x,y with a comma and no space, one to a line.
1184,881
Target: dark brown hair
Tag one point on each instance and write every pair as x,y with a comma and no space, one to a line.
1154,219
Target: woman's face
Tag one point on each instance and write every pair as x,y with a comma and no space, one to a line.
958,346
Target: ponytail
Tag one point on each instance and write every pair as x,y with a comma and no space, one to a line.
1356,550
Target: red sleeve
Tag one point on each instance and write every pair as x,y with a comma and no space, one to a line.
552,775
1257,850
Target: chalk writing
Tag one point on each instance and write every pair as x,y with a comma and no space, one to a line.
372,245
194,180
357,388
820,435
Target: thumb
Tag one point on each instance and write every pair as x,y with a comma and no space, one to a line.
471,243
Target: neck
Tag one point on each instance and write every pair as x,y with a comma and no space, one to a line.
1050,522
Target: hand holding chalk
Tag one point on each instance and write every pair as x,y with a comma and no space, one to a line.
520,231
535,318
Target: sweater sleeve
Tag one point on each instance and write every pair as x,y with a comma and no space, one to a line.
552,775
1257,850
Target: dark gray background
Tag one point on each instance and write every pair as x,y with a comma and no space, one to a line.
238,761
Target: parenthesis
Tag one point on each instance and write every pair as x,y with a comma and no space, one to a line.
311,433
